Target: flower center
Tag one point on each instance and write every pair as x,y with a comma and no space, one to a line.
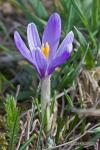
46,49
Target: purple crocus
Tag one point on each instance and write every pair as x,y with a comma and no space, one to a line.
45,56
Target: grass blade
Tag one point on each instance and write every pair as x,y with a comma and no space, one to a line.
23,147
95,13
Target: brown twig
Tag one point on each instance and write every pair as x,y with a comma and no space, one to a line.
21,135
87,112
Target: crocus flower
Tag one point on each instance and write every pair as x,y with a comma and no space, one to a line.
45,55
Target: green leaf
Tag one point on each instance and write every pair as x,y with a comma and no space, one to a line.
12,114
39,8
95,13
82,39
74,122
80,147
27,143
52,104
80,13
60,125
84,20
69,18
68,99
89,59
96,130
2,26
30,15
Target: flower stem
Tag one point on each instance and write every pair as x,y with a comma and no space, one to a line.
45,101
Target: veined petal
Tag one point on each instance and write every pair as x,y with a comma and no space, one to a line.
63,52
58,61
22,47
41,62
66,44
52,33
33,36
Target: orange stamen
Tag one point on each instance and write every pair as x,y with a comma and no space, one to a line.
46,49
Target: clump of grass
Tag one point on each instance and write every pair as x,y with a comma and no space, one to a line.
12,118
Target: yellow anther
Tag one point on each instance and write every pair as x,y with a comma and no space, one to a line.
43,48
46,49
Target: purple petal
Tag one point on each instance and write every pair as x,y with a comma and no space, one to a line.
52,33
63,52
29,55
33,36
41,62
22,47
66,44
58,61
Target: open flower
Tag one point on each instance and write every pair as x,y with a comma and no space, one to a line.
45,56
